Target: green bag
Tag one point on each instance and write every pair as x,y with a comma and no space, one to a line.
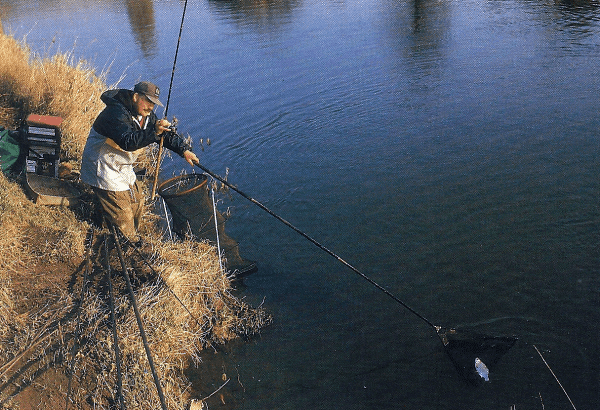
10,151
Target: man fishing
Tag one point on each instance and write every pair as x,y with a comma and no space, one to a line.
120,132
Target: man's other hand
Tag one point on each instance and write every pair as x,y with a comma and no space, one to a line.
191,158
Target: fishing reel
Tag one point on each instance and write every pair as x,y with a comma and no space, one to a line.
173,127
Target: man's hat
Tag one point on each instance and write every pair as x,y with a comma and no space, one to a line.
149,90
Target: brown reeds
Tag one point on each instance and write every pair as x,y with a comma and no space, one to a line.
57,85
187,310
185,301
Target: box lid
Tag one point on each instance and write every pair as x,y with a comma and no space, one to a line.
44,121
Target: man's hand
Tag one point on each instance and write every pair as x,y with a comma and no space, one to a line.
191,158
162,126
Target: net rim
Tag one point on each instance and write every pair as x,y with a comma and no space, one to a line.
169,183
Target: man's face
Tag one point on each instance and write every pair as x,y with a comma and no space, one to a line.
142,105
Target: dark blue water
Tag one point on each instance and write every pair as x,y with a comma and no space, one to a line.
447,149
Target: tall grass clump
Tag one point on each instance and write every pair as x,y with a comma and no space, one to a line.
57,85
185,298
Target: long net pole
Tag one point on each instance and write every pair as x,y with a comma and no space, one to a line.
314,241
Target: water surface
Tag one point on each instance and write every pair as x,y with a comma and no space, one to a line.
447,149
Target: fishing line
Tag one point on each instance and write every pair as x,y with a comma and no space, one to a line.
212,192
167,218
555,378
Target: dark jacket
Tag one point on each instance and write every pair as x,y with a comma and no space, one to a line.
115,142
116,122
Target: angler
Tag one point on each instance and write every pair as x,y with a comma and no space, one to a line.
125,126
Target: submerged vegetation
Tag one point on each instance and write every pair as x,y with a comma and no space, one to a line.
55,328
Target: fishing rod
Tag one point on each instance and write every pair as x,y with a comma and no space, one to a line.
493,347
162,138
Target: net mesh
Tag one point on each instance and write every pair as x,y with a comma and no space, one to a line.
474,355
191,207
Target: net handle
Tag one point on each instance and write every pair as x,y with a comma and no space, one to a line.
320,246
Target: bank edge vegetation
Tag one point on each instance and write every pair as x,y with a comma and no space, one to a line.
35,337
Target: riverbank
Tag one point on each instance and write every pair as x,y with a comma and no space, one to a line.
53,328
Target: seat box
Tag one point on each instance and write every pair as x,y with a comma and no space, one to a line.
42,135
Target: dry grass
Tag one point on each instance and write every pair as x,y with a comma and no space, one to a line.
187,310
186,302
62,232
57,86
29,233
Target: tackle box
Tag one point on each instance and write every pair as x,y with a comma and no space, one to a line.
41,134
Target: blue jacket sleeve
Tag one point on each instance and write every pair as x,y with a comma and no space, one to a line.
175,143
117,124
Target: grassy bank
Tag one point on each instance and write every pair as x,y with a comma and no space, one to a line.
50,323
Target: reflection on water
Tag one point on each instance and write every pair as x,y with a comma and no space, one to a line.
140,13
267,14
141,19
6,10
430,23
578,12
430,28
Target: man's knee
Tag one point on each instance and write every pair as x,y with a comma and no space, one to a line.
119,211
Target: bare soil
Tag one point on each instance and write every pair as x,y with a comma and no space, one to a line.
35,288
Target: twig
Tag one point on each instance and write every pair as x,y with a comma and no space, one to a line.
210,395
16,359
555,378
39,337
238,377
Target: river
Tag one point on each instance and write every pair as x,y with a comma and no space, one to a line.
447,149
